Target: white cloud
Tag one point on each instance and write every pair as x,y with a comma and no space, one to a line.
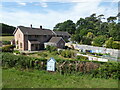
21,3
42,4
50,19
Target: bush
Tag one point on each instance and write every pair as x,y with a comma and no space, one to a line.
95,69
42,54
107,70
51,48
115,45
68,54
8,48
6,42
16,51
82,58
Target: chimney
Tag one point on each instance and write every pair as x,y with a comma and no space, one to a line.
40,27
31,25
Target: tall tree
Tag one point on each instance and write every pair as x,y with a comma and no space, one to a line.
68,26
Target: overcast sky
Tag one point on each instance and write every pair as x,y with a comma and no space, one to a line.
50,12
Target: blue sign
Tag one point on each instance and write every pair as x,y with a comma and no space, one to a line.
51,64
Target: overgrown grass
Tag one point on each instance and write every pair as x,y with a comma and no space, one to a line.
13,78
6,38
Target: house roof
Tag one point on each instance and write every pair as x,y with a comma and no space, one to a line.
55,39
38,31
62,33
35,31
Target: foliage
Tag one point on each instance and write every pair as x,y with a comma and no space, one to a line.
107,70
112,44
109,42
6,42
86,40
16,51
6,29
51,48
68,26
68,54
116,45
95,69
82,58
99,41
92,28
42,54
8,48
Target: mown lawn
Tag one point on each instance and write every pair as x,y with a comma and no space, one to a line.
13,78
6,38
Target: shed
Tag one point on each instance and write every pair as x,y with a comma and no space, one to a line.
56,41
51,64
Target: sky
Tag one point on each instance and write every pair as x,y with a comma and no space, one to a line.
50,12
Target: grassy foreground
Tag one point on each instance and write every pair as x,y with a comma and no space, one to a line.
6,38
13,78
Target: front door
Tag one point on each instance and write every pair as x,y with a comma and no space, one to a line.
36,47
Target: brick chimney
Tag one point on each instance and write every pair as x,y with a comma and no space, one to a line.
31,25
40,27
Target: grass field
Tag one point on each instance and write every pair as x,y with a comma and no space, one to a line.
6,38
13,78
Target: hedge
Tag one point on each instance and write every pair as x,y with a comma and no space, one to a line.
95,69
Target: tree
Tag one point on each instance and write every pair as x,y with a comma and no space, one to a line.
68,26
86,40
109,42
115,32
111,19
6,29
99,40
90,35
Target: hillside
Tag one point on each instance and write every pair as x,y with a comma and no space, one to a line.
6,29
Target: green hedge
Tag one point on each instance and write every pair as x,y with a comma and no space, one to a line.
95,69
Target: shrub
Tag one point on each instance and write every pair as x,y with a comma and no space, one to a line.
6,42
115,45
42,54
54,53
8,48
68,54
51,48
82,58
16,51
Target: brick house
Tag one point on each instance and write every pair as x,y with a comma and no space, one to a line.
33,39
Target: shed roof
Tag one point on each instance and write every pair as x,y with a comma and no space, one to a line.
56,39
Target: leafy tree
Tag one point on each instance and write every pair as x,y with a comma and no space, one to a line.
99,40
90,35
109,42
6,29
68,26
86,40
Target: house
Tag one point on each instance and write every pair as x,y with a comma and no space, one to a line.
33,39
56,41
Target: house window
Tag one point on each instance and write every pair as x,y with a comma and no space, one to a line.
29,36
17,42
20,45
36,36
32,45
19,35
